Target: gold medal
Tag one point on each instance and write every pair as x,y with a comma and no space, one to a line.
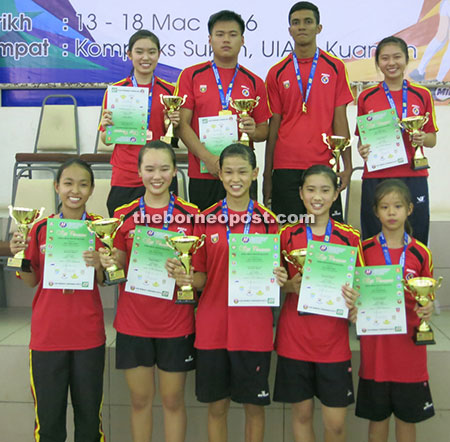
225,112
304,108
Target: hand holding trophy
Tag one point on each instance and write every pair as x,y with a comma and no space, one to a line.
244,107
24,218
413,125
185,247
423,290
171,103
105,230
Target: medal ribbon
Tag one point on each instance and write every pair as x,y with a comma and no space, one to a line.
311,76
309,234
168,213
83,217
150,96
249,217
404,99
387,256
224,99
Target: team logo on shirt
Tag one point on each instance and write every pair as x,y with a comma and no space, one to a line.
286,84
203,88
215,238
416,109
325,78
245,91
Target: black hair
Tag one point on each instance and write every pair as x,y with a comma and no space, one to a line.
320,169
77,162
238,150
158,145
393,185
389,41
225,15
305,5
143,33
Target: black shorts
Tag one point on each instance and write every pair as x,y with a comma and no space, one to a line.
239,375
297,381
169,354
410,401
286,196
204,193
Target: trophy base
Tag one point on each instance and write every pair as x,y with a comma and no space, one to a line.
424,337
185,297
113,277
21,264
420,164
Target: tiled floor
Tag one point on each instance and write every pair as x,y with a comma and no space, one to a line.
16,407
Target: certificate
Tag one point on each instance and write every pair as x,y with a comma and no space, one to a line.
146,272
327,268
64,266
216,133
129,107
382,132
381,305
251,282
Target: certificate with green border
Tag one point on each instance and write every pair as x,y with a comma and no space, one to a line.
381,305
64,266
251,282
327,268
146,272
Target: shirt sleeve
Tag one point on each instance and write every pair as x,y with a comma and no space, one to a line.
273,93
262,112
104,106
185,87
360,111
199,258
32,252
431,125
344,93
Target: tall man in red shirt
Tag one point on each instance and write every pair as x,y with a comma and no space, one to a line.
208,87
308,95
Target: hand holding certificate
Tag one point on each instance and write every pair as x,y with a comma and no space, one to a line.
129,107
382,132
327,268
252,260
381,306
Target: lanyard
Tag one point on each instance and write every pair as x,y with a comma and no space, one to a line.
150,96
387,256
249,217
310,79
309,234
83,217
404,98
224,99
169,213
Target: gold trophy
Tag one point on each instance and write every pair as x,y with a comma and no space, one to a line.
105,230
244,107
296,258
337,145
422,290
185,247
24,218
413,125
171,103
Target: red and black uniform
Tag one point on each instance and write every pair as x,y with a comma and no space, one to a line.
124,158
420,102
145,316
238,332
67,350
299,142
313,339
390,360
199,84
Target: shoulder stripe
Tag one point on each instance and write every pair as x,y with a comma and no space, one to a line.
285,61
287,225
426,91
164,86
332,64
187,203
249,75
124,206
200,70
426,252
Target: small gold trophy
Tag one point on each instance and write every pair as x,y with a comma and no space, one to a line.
185,247
413,125
244,107
105,230
337,145
24,218
171,103
296,258
422,290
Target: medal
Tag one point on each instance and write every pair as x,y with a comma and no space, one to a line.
224,99
225,112
305,96
304,108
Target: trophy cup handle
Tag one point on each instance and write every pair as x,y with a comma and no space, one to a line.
161,99
184,100
170,245
325,140
199,243
257,101
427,117
287,257
439,282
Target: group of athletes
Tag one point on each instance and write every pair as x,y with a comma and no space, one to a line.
305,95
